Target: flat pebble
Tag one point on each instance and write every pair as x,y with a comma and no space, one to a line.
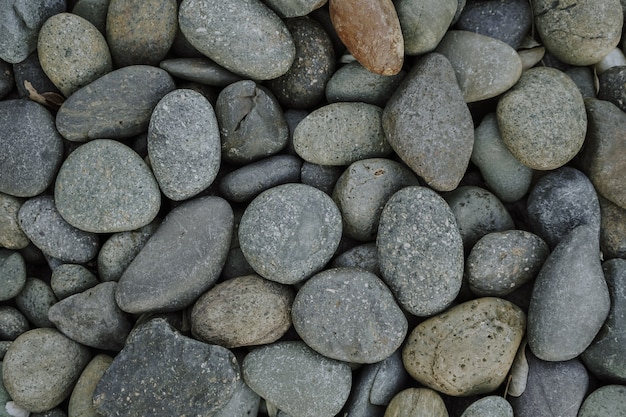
95,11
41,367
417,402
417,232
612,230
11,234
322,177
81,400
363,256
105,187
424,23
290,232
282,371
12,274
70,279
490,406
291,8
609,400
12,323
139,381
35,300
199,70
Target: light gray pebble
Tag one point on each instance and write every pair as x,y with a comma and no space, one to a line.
35,300
12,274
199,70
70,279
490,406
12,323
11,234
609,400
390,377
322,177
363,256
425,22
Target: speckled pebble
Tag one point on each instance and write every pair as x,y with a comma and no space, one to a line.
35,300
291,8
490,406
322,177
81,400
363,256
199,70
12,274
12,323
11,235
612,230
424,23
417,402
609,400
612,86
70,279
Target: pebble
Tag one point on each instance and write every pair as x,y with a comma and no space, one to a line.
485,67
12,323
7,81
41,367
95,11
584,78
105,187
199,70
363,256
55,412
290,8
70,279
139,380
349,315
182,259
612,86
570,298
246,38
424,23
490,406
281,372
612,230
141,32
322,177
542,119
4,398
72,52
580,33
35,300
468,349
340,134
32,148
290,232
243,403
30,70
12,274
609,400
236,265
11,235
42,222
243,311
430,101
417,232
417,402
81,399
4,347
251,121
117,105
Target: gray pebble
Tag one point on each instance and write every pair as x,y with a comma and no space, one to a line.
352,82
389,378
363,256
81,400
417,402
95,11
584,78
35,300
243,403
609,400
612,230
236,265
291,8
7,81
612,86
490,406
11,235
30,71
322,177
12,323
199,70
70,279
4,347
293,117
12,274
424,23
55,412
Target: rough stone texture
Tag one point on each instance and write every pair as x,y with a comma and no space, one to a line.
297,380
32,148
182,259
245,37
35,300
570,299
199,70
12,274
243,403
609,400
491,406
294,8
350,315
70,279
95,11
420,251
117,105
612,230
416,402
322,177
243,311
580,33
11,235
41,367
152,375
542,119
12,323
81,400
424,23
364,256
290,232
430,101
468,349
612,86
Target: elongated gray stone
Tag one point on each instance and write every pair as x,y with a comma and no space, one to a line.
12,274
199,70
35,301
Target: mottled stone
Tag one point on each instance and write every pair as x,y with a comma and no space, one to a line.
612,230
612,86
12,323
11,235
416,402
364,256
322,177
294,8
95,11
70,279
490,406
199,70
35,300
424,23
12,274
609,400
81,400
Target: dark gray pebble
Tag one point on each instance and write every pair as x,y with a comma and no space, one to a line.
30,71
363,256
612,230
322,177
35,300
612,86
70,279
6,78
199,70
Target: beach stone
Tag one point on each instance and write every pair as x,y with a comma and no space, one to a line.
105,187
247,182
29,70
570,299
72,52
182,259
430,101
424,23
139,380
303,85
580,33
11,235
612,230
506,20
485,67
340,134
199,70
243,403
584,78
608,400
490,406
559,202
417,402
117,105
33,149
247,38
290,232
252,124
20,22
12,274
290,8
141,32
35,300
601,156
41,367
243,311
81,400
420,251
236,265
468,349
322,177
282,371
363,256
504,174
542,120
7,81
70,279
612,86
350,315
12,323
95,11
501,262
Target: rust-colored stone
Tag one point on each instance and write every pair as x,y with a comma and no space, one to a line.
371,31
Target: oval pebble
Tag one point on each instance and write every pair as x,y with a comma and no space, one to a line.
424,23
609,400
12,323
12,274
199,70
70,279
490,406
11,235
35,300
416,402
81,400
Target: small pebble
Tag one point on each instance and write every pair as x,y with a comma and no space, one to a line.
322,177
81,399
95,11
35,300
612,230
12,274
11,235
363,256
490,406
290,8
199,70
12,323
29,71
584,78
612,86
70,279
417,402
352,82
243,403
424,23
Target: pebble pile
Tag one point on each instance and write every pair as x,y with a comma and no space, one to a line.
312,208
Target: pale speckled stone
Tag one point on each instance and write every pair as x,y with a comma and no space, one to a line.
416,402
490,406
11,235
81,400
609,400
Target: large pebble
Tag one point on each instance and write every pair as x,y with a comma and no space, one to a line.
70,279
199,70
350,315
609,400
506,20
41,367
542,119
490,406
72,52
429,101
32,148
420,251
12,274
35,301
116,105
81,400
612,230
290,232
417,402
181,260
105,187
424,23
245,37
570,298
12,323
160,372
468,349
11,235
282,372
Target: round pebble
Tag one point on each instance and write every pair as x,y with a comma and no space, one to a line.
609,400
424,23
81,400
11,235
12,274
12,323
35,300
199,70
70,279
490,406
416,402
612,230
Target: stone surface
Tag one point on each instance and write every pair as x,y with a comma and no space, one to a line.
41,367
430,101
81,400
291,8
12,274
584,78
609,400
424,23
363,256
7,81
139,381
199,70
282,372
612,86
542,119
612,230
11,235
468,349
95,11
70,279
12,323
322,177
243,403
181,260
490,406
416,402
30,70
35,300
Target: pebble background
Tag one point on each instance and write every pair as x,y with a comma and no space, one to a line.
312,208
